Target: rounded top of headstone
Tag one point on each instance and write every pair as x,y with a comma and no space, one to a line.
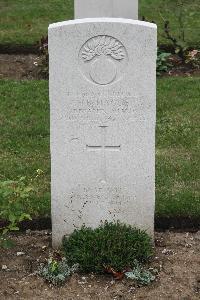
103,20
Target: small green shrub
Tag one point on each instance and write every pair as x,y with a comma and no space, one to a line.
13,195
162,64
14,198
111,244
56,272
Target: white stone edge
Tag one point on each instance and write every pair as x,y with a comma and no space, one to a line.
103,20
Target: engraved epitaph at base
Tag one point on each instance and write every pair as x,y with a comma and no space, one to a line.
102,96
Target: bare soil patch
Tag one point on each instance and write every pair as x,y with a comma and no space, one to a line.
182,70
176,257
18,66
22,67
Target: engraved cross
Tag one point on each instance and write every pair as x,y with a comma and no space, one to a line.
103,148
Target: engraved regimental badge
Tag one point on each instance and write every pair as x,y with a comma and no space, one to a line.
103,59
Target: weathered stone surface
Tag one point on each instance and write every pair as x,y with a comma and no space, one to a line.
106,8
102,98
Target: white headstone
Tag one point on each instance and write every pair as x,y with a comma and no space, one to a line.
106,8
103,112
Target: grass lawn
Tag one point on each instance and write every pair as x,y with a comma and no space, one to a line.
177,147
25,21
24,136
24,142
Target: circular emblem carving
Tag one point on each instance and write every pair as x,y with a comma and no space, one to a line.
102,59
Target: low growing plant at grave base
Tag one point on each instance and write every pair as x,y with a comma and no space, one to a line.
14,195
193,59
111,244
56,272
177,39
175,36
179,45
42,62
162,63
141,275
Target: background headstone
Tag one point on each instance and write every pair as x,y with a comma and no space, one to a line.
103,108
106,8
